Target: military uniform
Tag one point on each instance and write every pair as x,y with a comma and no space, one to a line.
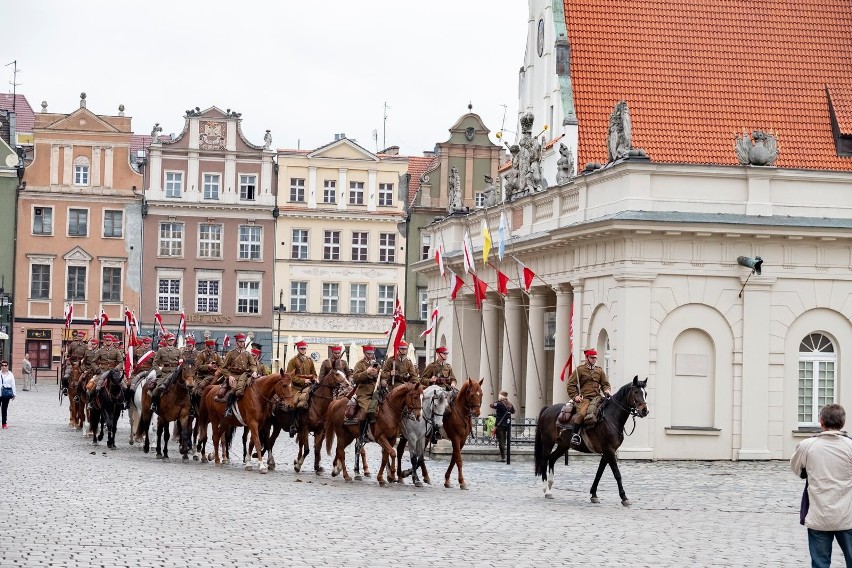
107,359
587,382
238,364
166,361
365,384
74,353
144,368
406,371
302,368
338,364
441,372
88,364
206,364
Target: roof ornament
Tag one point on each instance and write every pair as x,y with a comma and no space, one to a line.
267,140
121,110
759,149
565,165
620,135
155,132
82,100
43,106
525,176
454,191
193,112
490,193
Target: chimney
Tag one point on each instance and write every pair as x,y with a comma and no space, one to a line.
390,151
339,136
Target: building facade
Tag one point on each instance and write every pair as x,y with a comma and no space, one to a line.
208,220
340,245
79,232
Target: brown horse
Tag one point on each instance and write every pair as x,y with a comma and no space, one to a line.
603,438
255,407
76,402
312,420
385,430
458,423
173,406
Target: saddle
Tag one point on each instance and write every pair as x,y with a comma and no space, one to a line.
563,421
352,408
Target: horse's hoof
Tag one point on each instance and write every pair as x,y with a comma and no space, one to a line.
358,478
418,484
185,458
247,467
319,470
347,479
447,484
427,480
165,459
264,470
368,474
195,458
271,467
382,483
548,495
595,500
463,486
218,464
626,502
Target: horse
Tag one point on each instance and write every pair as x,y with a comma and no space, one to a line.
173,406
389,417
106,407
458,424
76,404
604,438
416,432
254,408
313,419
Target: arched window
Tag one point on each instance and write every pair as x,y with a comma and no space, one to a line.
817,370
607,357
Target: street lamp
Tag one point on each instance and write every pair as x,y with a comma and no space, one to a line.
280,309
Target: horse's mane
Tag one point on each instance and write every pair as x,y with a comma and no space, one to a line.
622,392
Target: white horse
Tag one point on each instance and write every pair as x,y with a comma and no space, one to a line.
416,432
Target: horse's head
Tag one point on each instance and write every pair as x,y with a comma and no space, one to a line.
435,400
335,379
413,402
470,395
116,376
284,391
188,372
637,398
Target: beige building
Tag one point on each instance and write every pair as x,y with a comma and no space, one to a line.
79,230
340,250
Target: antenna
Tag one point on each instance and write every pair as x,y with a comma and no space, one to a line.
385,127
376,138
14,83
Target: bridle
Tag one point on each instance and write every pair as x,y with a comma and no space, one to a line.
632,408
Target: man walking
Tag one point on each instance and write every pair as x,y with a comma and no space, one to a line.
504,410
27,372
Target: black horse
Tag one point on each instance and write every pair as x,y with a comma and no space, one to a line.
603,438
107,407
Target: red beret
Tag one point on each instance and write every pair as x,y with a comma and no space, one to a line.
146,340
94,340
210,342
301,344
109,336
369,348
169,336
190,339
442,349
336,349
240,337
590,353
255,351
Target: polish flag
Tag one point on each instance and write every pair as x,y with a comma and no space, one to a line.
226,343
455,284
145,357
159,319
526,275
502,283
182,324
569,364
467,249
104,318
69,311
439,258
433,319
479,288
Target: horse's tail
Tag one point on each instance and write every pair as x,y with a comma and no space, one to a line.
229,436
540,457
329,430
144,421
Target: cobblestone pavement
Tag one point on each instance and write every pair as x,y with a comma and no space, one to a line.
61,505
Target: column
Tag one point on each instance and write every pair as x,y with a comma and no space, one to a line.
312,187
342,195
192,180
536,362
488,348
108,167
511,379
54,164
468,195
754,409
564,299
372,187
96,166
67,164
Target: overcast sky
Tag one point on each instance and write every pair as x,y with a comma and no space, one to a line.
305,70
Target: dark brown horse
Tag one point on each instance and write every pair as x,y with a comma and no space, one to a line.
385,430
173,406
312,420
254,408
603,438
458,423
76,398
106,407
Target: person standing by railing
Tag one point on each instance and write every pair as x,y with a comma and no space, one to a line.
504,411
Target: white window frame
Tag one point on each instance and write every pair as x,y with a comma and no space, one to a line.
210,248
82,293
208,300
297,190
385,195
387,248
479,199
81,174
77,210
298,296
248,187
425,246
112,266
172,293
423,303
331,297
821,357
329,191
120,234
173,184
331,245
356,193
249,291
175,243
44,209
300,253
360,250
357,298
40,261
386,299
250,242
212,181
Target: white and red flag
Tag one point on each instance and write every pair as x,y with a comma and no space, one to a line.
569,364
226,343
182,323
467,250
439,259
525,275
455,284
159,319
69,312
502,283
433,320
397,330
104,318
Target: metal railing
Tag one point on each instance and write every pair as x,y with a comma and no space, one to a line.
522,432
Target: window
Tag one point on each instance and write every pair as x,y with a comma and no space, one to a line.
78,222
358,298
81,175
425,246
387,247
39,351
386,194
209,241
250,242
298,296
329,191
359,246
211,186
330,298
817,371
168,295
479,199
356,193
40,287
248,297
248,187
76,289
171,239
207,298
297,190
300,244
423,303
174,184
111,288
113,223
331,245
387,293
43,220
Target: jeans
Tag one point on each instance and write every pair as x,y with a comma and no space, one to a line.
501,441
819,544
4,408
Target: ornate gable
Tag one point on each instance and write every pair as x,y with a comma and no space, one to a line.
82,120
469,129
77,254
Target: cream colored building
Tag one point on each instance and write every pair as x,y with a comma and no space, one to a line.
340,250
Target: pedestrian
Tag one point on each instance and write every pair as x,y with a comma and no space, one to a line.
504,411
7,389
27,372
825,460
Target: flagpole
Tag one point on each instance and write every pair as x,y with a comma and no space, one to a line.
529,336
484,337
509,347
458,329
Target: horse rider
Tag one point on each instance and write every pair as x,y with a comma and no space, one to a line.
335,363
87,365
257,353
304,376
238,364
585,386
74,353
141,368
166,361
108,359
439,371
400,369
188,353
365,376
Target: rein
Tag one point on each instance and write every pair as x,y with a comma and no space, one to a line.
632,411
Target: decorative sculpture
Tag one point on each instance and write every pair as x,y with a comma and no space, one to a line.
490,193
761,149
454,193
565,165
267,140
155,132
510,185
620,133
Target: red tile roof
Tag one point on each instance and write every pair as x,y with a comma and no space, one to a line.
696,72
140,142
417,166
25,117
841,100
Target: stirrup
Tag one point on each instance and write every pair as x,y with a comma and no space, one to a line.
575,439
229,412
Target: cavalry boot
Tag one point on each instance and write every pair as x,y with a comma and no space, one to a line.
365,424
575,438
294,426
232,399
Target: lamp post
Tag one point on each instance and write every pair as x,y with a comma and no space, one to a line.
280,309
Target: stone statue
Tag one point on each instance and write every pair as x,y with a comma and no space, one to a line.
511,186
759,150
155,132
454,193
490,193
620,133
267,140
526,171
565,164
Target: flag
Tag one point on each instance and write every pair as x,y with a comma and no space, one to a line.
145,357
226,343
129,342
69,310
104,318
182,323
398,328
526,275
439,258
137,328
486,241
159,319
502,283
95,325
455,284
479,288
501,236
569,364
467,250
433,319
